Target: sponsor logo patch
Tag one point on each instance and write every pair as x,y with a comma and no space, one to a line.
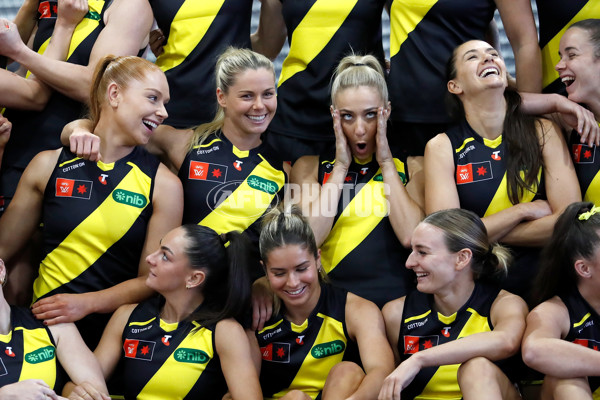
583,154
262,184
207,172
192,356
40,355
328,349
473,172
130,198
413,344
73,188
139,349
276,352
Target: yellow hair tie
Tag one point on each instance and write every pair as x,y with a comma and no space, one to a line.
586,215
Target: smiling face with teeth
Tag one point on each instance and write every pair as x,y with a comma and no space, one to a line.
578,67
476,65
293,276
250,103
435,267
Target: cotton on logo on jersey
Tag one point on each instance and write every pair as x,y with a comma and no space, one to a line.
73,188
413,344
139,349
276,352
473,172
583,154
207,171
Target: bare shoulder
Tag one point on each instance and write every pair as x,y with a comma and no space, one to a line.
441,141
508,301
393,310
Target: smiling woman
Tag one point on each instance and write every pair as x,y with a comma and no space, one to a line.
512,170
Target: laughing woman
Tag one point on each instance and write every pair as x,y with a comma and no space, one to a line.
512,170
315,328
450,333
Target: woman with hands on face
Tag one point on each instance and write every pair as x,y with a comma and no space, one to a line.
511,169
450,333
31,352
364,199
100,219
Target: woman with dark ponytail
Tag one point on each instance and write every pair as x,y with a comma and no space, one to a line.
186,343
512,170
454,264
100,219
563,334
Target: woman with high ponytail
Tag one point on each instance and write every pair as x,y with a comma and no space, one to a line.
511,169
186,342
100,219
563,334
362,199
450,335
309,346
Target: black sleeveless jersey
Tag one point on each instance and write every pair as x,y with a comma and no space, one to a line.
299,357
423,328
361,228
320,34
583,328
28,351
555,17
423,35
196,33
35,131
586,160
163,360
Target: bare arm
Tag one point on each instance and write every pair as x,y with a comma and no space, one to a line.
319,202
545,350
405,213
365,325
508,317
271,32
237,362
392,315
26,19
5,128
127,25
519,24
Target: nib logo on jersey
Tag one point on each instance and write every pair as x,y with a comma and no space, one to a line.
328,349
473,172
139,349
73,188
276,352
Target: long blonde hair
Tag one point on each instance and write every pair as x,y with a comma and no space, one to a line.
230,64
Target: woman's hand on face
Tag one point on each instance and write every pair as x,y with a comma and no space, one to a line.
87,391
262,303
85,144
383,152
63,307
343,156
29,389
398,380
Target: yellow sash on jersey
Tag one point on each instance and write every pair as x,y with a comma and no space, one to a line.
93,236
406,20
501,201
550,55
307,379
39,356
83,29
444,383
179,372
247,203
592,193
359,218
187,30
313,33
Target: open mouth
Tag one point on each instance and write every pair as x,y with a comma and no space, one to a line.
489,72
150,124
296,292
568,80
257,118
421,274
361,146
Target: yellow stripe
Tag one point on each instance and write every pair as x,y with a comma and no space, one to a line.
592,193
82,31
417,317
206,145
444,381
446,319
467,140
189,26
142,323
68,162
501,201
404,20
550,55
311,376
313,33
245,205
33,340
266,328
92,237
493,143
357,221
585,317
175,377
